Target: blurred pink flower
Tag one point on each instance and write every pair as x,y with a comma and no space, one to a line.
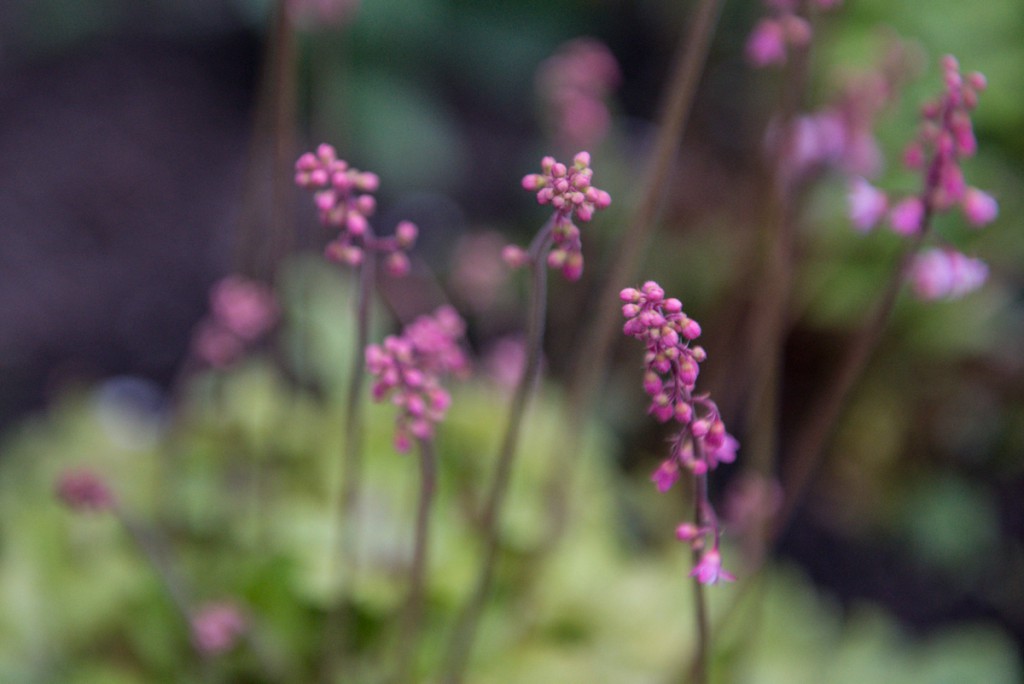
243,307
709,570
944,273
906,217
867,204
979,207
574,85
84,490
216,627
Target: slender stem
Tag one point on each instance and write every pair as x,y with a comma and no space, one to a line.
597,339
347,520
411,626
771,291
809,443
461,643
267,218
154,550
703,648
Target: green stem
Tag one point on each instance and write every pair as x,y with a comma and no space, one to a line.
347,518
700,670
411,625
463,635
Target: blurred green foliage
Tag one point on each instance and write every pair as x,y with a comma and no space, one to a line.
241,474
240,480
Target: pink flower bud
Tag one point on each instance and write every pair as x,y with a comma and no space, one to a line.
666,475
687,532
683,412
905,218
406,233
513,256
216,627
867,205
766,44
979,207
397,264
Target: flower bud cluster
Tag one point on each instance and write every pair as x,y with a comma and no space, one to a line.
573,85
670,374
344,200
840,135
569,191
945,139
241,312
84,490
408,369
783,29
944,273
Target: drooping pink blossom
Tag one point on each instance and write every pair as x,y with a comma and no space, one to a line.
709,570
943,273
979,207
867,204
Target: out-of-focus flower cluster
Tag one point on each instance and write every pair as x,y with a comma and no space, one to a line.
840,136
574,85
946,137
671,367
344,200
84,490
216,627
408,369
569,191
783,29
241,312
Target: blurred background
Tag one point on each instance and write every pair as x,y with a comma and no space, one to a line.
140,150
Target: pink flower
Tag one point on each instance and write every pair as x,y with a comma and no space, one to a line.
569,191
244,307
905,218
343,197
216,627
408,369
725,452
573,84
666,475
945,274
84,490
709,570
767,43
979,207
867,204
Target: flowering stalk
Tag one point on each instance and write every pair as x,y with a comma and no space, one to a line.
569,191
670,376
215,627
344,201
407,370
591,359
947,135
